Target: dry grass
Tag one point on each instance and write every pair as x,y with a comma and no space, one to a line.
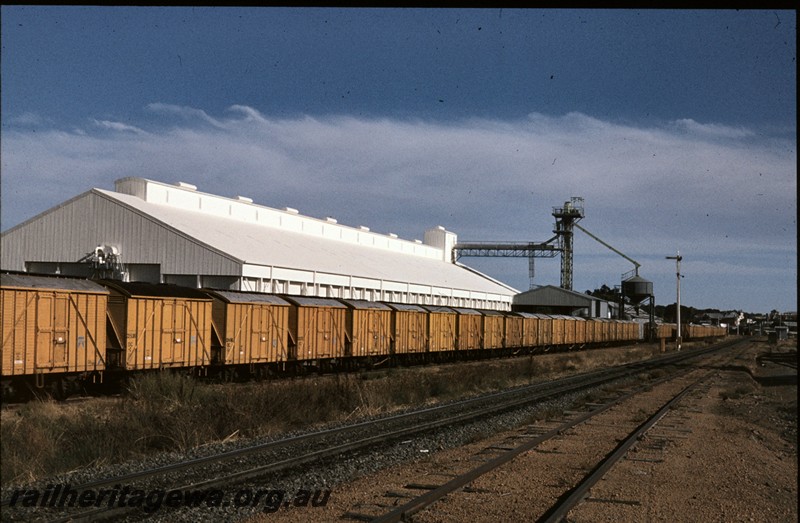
164,412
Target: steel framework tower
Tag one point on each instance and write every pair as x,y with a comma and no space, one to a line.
566,217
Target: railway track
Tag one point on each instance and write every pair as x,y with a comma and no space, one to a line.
279,457
670,391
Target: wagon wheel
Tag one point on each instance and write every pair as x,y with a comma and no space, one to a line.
56,390
229,375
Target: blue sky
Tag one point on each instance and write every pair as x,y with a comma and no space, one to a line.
677,127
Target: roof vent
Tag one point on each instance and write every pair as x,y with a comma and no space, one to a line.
291,210
187,186
331,220
244,199
363,228
392,235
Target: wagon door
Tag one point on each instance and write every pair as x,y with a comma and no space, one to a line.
18,348
370,345
378,331
324,328
278,328
417,331
260,334
168,346
327,330
180,340
236,321
52,319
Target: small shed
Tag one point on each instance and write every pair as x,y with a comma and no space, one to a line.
549,299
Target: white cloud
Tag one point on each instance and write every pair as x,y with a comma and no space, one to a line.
187,113
710,190
118,126
712,130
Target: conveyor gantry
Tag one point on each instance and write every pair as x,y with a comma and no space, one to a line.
530,250
566,217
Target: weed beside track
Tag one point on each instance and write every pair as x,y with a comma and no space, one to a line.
163,413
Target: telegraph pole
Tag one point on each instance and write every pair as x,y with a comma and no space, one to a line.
678,259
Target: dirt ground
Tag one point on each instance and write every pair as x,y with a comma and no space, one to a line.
732,457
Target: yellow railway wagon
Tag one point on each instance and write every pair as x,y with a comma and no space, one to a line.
627,330
249,327
368,327
630,331
545,330
51,325
617,330
559,332
570,329
409,328
593,330
702,331
530,328
441,328
580,330
494,331
515,330
606,330
667,330
469,326
609,330
635,331
158,326
316,328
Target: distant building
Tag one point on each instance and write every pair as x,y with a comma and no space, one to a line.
549,299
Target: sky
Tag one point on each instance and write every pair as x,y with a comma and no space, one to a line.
678,128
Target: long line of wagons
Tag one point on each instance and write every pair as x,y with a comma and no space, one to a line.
62,333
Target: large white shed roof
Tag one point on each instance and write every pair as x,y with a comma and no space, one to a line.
236,234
